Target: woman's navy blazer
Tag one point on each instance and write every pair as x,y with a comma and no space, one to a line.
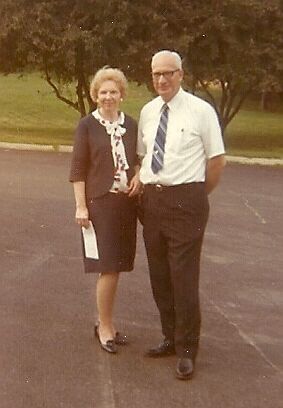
92,160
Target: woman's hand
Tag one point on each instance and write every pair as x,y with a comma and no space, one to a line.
82,217
135,185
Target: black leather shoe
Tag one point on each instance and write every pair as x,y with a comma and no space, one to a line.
109,346
184,368
164,349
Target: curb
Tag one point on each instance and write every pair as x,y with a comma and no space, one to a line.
35,147
69,149
255,160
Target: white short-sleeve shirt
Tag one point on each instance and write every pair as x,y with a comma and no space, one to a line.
193,136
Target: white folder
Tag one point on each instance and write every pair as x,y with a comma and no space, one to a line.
90,242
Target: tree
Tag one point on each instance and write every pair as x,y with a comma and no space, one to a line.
240,50
68,40
235,45
48,36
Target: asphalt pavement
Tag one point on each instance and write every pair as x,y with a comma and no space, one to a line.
48,355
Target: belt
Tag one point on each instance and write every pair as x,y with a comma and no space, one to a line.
160,187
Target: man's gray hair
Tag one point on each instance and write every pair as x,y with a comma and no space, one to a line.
174,54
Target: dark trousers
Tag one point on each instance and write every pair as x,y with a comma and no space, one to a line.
174,222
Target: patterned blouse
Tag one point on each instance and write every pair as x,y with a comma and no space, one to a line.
116,131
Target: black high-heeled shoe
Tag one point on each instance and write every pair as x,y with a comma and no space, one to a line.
109,346
119,339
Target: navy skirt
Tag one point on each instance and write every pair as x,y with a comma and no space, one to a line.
114,217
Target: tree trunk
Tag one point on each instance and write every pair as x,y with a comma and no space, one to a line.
79,67
263,101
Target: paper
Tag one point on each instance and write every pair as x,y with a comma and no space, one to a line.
90,242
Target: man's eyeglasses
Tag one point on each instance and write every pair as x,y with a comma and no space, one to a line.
167,74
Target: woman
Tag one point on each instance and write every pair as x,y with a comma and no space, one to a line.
104,173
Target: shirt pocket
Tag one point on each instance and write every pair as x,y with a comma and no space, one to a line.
189,137
181,138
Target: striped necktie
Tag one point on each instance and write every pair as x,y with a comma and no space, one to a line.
159,143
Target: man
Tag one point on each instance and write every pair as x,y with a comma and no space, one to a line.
182,153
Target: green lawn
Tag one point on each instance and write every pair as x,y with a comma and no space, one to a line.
259,134
30,113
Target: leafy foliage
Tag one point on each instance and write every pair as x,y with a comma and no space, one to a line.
234,44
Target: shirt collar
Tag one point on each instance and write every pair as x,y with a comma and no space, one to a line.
173,104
